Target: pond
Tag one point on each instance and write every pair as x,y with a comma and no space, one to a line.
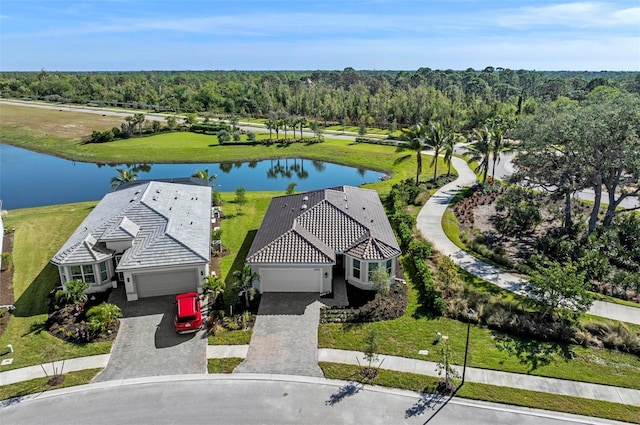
31,179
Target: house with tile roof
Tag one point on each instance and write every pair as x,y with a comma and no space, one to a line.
153,237
307,238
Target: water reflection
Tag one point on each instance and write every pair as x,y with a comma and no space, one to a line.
26,177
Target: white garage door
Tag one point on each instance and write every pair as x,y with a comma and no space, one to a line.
165,283
290,280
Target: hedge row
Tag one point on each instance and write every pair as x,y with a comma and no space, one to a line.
418,251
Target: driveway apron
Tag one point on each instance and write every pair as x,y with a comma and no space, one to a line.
285,336
147,344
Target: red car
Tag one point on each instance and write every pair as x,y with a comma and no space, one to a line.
188,316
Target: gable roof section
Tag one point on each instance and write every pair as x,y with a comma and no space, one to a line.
343,219
170,224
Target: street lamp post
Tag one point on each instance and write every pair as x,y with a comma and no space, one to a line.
470,313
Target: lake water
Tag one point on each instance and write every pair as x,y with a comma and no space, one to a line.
31,179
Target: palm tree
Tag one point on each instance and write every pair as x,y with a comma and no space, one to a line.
480,150
449,148
214,286
123,176
498,128
271,123
437,138
244,282
415,137
204,175
302,121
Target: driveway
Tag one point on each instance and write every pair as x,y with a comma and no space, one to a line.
285,336
147,344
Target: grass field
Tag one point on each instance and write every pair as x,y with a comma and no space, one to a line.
415,331
39,233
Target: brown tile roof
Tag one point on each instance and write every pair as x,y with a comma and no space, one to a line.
311,227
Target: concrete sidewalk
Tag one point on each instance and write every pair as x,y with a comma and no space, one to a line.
429,223
69,365
481,376
493,377
400,364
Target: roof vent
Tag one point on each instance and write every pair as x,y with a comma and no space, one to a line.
303,207
364,208
345,197
176,197
157,190
306,198
346,206
155,198
137,191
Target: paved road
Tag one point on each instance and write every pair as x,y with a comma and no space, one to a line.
261,399
429,223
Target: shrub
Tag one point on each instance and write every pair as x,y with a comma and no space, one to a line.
102,316
616,336
73,294
420,249
7,261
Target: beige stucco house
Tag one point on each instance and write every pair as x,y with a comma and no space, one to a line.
306,238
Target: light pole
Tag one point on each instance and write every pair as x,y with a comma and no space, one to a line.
470,313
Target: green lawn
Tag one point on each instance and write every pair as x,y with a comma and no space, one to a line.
40,232
20,389
487,349
534,399
223,365
239,337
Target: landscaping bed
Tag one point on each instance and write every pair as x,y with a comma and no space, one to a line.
6,277
367,306
70,323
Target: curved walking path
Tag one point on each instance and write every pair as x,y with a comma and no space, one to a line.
429,223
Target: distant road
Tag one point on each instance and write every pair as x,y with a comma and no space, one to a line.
148,116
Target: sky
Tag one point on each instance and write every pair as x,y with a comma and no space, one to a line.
113,35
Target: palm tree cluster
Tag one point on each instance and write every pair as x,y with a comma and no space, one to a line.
439,136
488,143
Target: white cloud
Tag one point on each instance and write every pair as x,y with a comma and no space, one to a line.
574,15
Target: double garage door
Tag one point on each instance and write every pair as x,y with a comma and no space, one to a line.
166,283
290,280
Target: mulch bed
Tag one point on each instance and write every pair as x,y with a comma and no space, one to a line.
6,277
69,323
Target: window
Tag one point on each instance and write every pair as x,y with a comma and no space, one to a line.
356,269
372,267
83,273
76,272
389,264
89,277
103,271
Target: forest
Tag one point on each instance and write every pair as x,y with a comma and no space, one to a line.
381,99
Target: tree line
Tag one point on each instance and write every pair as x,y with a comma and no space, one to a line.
382,99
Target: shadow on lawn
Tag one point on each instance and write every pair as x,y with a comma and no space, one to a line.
34,299
532,353
238,262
